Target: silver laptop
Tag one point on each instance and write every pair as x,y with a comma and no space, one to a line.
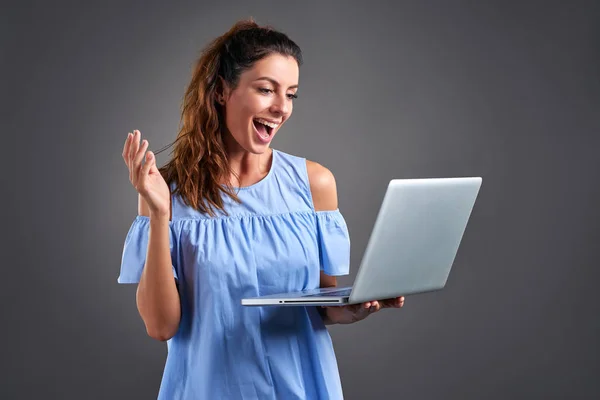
412,246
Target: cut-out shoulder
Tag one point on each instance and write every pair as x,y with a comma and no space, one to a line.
324,193
144,209
322,187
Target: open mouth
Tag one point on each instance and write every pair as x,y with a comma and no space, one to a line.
264,128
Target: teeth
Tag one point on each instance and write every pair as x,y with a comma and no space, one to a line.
267,123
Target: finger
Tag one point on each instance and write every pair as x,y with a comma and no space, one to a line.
132,143
149,163
135,145
390,303
394,302
126,152
126,147
139,157
368,308
384,303
368,311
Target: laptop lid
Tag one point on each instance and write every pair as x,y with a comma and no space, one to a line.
415,237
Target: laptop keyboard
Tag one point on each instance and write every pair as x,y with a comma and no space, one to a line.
340,292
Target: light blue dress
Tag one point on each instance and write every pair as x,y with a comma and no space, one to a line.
273,242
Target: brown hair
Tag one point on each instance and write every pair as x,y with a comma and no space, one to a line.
199,163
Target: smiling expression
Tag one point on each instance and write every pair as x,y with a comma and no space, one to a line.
262,102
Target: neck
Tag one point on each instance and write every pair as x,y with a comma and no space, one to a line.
249,167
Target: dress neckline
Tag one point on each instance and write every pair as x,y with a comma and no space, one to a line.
263,180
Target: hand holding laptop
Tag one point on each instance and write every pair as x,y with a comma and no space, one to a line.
356,312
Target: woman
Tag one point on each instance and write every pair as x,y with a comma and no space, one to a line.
227,218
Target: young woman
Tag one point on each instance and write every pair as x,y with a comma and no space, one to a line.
227,218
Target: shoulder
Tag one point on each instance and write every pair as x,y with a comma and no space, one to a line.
322,186
324,193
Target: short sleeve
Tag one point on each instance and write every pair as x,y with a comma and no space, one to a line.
334,243
136,247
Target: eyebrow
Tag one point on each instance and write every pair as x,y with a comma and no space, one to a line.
274,82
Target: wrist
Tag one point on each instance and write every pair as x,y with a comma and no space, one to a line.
160,217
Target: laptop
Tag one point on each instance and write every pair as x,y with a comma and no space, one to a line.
411,249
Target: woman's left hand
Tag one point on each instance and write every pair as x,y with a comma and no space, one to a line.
356,312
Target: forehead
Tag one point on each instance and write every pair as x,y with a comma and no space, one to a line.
283,69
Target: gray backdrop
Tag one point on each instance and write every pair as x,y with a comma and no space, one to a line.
507,91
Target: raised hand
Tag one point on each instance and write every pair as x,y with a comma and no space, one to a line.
146,178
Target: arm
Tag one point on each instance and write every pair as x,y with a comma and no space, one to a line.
324,193
157,296
326,281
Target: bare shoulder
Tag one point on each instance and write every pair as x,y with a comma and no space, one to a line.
322,186
144,209
324,194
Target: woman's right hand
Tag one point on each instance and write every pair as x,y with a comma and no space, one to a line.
146,179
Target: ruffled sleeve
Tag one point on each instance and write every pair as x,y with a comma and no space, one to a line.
136,247
334,243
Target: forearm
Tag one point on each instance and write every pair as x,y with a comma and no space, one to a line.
157,295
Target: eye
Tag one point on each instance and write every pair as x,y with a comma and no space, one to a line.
290,96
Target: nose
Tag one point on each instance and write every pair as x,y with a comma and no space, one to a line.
281,105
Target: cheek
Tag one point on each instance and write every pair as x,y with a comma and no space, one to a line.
256,105
243,108
236,115
238,121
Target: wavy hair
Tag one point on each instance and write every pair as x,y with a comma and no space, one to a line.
199,161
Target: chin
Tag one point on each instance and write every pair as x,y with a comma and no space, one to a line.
258,148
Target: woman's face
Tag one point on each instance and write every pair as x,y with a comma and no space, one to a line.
261,103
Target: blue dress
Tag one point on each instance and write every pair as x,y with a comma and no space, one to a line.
273,242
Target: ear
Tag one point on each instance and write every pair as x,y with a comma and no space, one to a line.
222,91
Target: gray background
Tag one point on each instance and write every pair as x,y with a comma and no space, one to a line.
505,90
